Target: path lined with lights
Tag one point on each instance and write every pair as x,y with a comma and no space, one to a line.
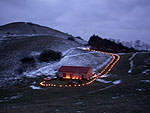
106,70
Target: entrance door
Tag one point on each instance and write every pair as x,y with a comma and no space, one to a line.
82,77
71,76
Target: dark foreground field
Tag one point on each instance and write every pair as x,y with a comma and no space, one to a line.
132,95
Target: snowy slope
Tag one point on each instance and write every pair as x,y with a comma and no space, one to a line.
76,57
11,52
27,39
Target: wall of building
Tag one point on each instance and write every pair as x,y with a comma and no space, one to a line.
76,75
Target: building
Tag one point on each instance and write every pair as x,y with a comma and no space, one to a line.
75,72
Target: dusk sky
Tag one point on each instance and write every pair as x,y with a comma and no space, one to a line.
119,19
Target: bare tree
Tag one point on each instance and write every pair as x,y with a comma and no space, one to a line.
137,44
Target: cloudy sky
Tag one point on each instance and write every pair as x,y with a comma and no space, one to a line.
119,19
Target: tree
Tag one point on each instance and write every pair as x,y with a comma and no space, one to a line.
137,44
49,55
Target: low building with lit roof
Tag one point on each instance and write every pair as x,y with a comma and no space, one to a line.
75,72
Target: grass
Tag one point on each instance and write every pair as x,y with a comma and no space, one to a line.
123,98
12,51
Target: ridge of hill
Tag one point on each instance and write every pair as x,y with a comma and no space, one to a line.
18,30
28,28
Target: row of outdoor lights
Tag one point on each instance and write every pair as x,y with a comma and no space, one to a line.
43,83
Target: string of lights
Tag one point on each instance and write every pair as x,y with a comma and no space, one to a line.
106,70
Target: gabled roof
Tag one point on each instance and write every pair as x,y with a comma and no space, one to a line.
74,69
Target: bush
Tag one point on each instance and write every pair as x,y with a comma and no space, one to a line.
20,70
71,38
49,55
8,33
27,60
79,37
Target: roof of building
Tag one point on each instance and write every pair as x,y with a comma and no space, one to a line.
74,69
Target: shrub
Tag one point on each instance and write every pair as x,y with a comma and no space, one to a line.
8,33
27,60
79,37
49,55
20,70
71,38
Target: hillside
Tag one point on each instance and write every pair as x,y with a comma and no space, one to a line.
117,92
25,45
20,30
124,89
28,28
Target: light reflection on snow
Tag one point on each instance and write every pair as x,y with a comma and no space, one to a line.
35,87
103,81
117,82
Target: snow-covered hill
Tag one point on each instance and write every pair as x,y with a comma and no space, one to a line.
75,57
25,40
12,51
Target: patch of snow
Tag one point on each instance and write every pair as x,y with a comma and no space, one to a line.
35,53
117,82
145,81
147,61
131,58
57,110
82,48
103,81
130,71
123,53
35,87
84,59
79,103
16,97
144,66
66,52
139,89
11,98
105,76
142,89
115,97
131,63
147,71
41,71
34,82
103,64
92,59
80,54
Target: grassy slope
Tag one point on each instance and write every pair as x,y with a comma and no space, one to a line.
12,51
121,98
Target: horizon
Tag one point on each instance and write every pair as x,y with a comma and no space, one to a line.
124,20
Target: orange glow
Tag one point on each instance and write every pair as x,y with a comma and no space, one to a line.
67,77
75,77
